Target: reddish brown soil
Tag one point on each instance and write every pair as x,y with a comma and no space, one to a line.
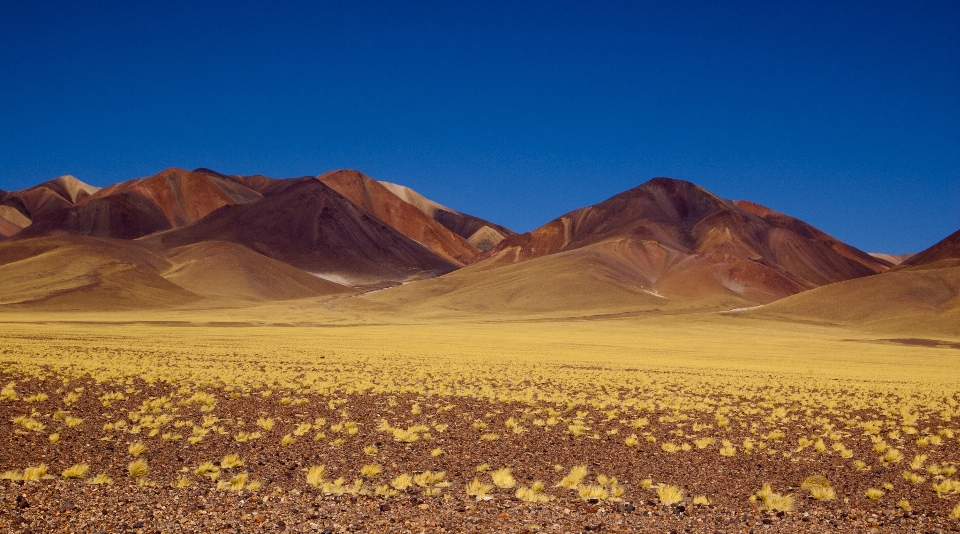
287,503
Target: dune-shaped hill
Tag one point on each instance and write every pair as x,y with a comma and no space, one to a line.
232,271
402,216
480,233
18,209
89,273
945,253
920,296
313,228
82,273
696,243
135,208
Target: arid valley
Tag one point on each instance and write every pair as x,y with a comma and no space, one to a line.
199,352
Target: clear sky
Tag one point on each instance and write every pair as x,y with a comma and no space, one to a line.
844,114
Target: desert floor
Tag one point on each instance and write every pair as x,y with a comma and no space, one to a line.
201,421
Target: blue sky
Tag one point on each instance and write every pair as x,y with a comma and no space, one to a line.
844,114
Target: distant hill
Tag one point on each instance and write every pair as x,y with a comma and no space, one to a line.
919,296
181,238
135,208
19,209
673,239
480,233
399,214
315,229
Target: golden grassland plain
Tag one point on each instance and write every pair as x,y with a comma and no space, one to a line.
718,386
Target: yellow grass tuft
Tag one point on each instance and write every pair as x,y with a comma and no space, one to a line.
574,477
315,475
231,461
914,478
874,494
701,500
138,468
668,494
774,501
401,482
479,490
181,482
503,478
136,448
76,471
371,470
35,472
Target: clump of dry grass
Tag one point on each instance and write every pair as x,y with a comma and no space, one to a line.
371,470
773,501
138,468
503,478
534,493
76,471
479,490
819,487
668,494
574,477
231,461
401,482
315,475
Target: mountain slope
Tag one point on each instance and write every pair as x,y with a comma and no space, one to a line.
312,227
697,244
83,273
132,209
18,209
480,233
232,271
945,253
920,296
402,216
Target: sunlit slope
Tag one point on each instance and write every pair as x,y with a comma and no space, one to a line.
910,301
921,295
66,273
404,217
135,208
607,277
683,242
228,270
70,274
480,233
19,209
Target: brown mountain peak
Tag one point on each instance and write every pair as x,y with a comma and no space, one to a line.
379,201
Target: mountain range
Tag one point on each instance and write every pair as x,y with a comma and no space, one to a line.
190,238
